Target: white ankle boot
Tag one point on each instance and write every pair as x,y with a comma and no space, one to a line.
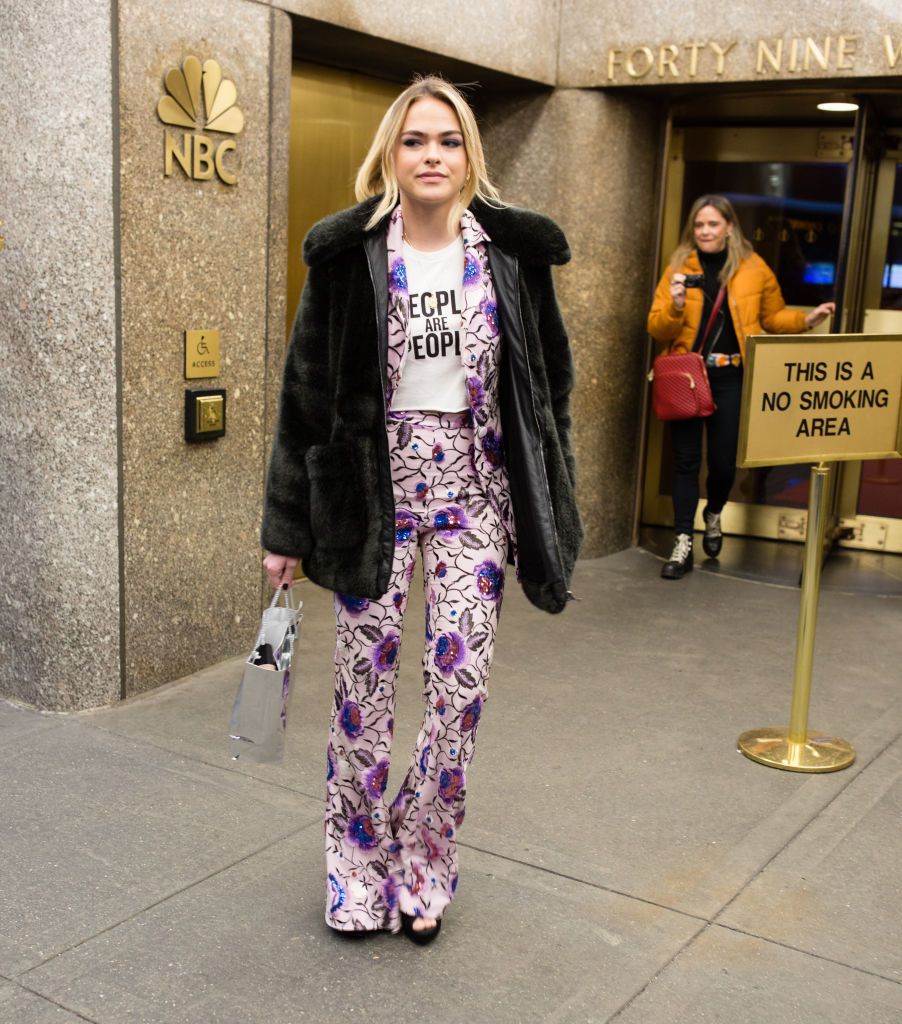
680,561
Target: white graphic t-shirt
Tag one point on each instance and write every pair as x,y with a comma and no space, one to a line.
432,374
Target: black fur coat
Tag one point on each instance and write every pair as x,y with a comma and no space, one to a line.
329,493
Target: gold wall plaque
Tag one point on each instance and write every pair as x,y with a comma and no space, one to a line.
201,354
831,399
199,96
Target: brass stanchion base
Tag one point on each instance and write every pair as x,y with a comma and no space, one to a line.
773,747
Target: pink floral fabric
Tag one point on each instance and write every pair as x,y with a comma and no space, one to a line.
384,856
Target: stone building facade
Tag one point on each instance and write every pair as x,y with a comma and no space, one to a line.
131,555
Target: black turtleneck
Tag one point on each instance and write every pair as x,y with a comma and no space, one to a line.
722,336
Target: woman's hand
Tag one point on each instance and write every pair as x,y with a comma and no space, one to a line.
678,290
819,314
280,569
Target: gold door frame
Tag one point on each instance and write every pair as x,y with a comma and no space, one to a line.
871,207
873,533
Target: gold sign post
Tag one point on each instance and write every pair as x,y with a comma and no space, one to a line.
796,749
834,399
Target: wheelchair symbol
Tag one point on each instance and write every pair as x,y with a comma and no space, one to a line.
202,349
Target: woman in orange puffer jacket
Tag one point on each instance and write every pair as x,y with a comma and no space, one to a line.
714,254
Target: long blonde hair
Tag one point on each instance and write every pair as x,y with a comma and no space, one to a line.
377,172
738,248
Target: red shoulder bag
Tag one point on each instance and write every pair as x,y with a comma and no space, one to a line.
680,388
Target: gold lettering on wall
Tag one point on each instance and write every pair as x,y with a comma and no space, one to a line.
197,157
198,96
228,145
807,53
693,49
778,55
667,59
721,52
821,56
203,161
845,53
171,149
645,64
773,57
640,60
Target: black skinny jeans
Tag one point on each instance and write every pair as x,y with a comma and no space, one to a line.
723,439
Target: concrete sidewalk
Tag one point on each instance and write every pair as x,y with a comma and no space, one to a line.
620,860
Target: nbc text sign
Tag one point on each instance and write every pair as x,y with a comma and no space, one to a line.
197,95
830,398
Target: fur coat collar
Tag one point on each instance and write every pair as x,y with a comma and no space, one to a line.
532,238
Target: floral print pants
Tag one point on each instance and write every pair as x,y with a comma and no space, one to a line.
385,856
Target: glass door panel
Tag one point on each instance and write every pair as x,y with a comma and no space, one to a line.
788,188
880,486
792,214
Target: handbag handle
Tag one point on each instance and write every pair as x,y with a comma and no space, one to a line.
289,604
289,597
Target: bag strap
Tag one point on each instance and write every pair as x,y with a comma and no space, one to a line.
289,597
718,302
289,604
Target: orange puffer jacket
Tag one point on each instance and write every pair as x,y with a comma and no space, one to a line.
753,298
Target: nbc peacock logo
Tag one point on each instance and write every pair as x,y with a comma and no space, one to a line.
198,96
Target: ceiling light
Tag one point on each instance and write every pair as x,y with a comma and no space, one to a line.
838,103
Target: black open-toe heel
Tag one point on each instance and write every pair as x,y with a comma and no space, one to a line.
421,936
